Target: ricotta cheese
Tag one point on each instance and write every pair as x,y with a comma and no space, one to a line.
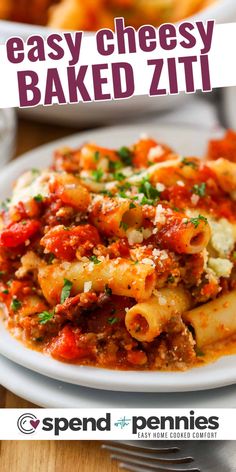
222,267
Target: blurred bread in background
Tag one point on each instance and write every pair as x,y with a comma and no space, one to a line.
91,15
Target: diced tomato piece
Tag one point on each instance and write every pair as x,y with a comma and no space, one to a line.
17,233
18,287
65,346
137,357
63,243
225,147
141,151
119,248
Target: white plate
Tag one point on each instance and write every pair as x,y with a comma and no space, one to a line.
229,106
50,393
223,372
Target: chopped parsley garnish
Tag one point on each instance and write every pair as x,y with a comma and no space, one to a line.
123,194
15,304
170,279
199,352
113,320
126,155
199,189
96,156
114,166
38,198
45,316
234,255
176,209
2,272
187,162
5,203
148,190
5,291
65,293
107,192
108,290
146,201
196,221
94,259
119,176
35,171
123,225
125,186
51,258
9,282
97,174
132,205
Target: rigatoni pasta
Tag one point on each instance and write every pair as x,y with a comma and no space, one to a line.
122,258
147,320
213,321
122,276
114,216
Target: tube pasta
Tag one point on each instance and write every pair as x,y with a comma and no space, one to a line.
145,321
113,216
180,234
153,171
92,157
71,192
213,321
122,276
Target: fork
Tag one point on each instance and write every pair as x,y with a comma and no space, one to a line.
182,456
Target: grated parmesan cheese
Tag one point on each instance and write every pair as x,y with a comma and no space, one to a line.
91,266
195,199
148,261
134,236
160,187
87,286
161,299
161,254
160,216
155,152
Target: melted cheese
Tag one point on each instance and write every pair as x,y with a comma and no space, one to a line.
30,184
223,236
221,267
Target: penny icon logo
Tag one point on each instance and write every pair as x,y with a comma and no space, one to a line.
28,423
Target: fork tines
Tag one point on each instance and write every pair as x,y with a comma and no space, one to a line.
137,458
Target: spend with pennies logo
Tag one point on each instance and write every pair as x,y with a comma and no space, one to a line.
28,423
